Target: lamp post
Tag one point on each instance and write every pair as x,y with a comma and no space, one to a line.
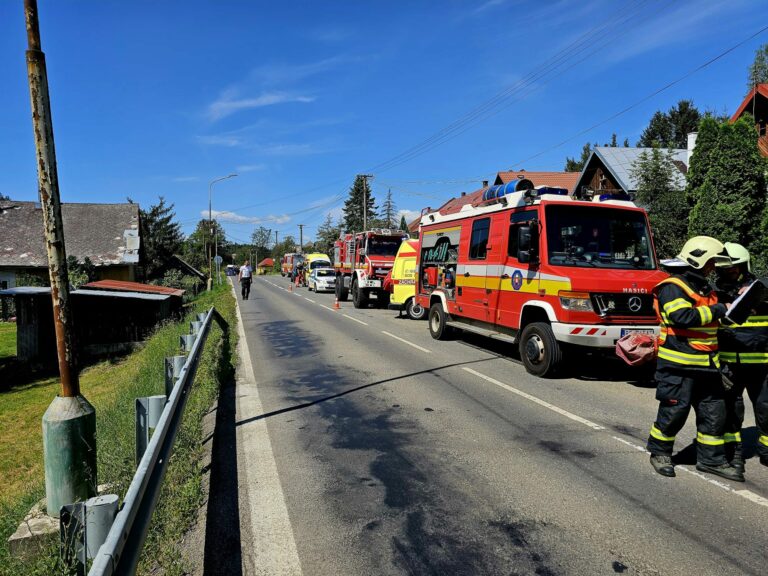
210,223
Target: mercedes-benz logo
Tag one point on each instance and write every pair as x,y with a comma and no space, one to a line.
635,304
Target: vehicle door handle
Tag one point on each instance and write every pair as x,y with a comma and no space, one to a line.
485,302
466,274
505,276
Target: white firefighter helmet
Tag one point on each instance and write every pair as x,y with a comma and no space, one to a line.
698,251
738,255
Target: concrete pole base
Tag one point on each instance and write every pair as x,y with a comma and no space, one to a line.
69,452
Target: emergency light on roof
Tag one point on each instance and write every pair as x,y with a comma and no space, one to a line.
615,196
501,191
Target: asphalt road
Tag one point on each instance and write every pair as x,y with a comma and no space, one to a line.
366,447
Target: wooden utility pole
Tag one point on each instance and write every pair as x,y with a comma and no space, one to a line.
301,238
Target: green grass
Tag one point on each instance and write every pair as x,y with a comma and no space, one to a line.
112,389
7,339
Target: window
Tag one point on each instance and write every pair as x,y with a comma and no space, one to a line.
517,219
3,285
478,245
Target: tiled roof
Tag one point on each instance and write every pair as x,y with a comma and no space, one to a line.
107,234
124,286
556,179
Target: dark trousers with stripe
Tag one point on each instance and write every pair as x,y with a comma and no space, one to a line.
677,392
754,379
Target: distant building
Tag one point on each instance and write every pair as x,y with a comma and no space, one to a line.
265,266
756,104
609,169
107,234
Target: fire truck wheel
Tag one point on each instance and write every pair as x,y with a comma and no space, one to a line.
437,319
359,297
414,310
382,299
341,292
539,351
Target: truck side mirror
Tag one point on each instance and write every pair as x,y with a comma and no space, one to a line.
528,243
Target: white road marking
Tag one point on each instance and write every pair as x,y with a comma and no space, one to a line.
355,319
404,341
326,307
272,549
536,400
309,299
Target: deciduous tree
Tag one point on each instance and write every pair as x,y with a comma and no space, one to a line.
161,238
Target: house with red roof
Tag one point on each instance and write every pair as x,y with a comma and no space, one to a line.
756,104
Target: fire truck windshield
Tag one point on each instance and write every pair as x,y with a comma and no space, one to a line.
383,246
595,237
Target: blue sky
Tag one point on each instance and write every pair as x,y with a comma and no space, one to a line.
160,98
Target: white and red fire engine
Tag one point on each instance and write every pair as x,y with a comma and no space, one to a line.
361,261
539,268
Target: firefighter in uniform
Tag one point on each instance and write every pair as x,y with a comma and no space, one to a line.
688,368
744,356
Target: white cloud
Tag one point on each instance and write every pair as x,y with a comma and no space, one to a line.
227,140
228,103
288,149
227,216
251,168
410,215
281,74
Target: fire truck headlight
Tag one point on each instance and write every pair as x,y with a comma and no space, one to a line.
576,301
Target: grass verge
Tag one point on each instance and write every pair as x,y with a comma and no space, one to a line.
7,339
112,389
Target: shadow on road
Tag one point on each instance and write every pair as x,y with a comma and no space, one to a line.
223,554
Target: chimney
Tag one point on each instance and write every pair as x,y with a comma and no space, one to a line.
485,183
691,145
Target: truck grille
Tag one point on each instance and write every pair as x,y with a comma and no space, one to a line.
614,304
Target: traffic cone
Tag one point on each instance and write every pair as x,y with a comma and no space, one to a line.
290,287
336,304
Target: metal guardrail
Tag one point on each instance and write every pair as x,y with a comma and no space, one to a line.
119,554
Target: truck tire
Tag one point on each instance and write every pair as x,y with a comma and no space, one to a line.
437,322
539,350
382,299
414,310
341,292
359,296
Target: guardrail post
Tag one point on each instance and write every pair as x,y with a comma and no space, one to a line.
173,367
148,412
187,341
195,327
100,512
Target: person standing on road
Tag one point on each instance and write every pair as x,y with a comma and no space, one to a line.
245,277
688,366
744,355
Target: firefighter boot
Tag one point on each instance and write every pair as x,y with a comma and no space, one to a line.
723,470
663,465
737,461
764,460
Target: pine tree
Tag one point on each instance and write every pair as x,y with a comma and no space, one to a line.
659,193
758,70
389,211
403,224
670,129
353,207
573,165
161,238
731,201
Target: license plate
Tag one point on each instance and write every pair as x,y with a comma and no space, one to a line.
625,331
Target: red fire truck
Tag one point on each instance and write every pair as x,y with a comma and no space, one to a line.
361,261
540,268
286,263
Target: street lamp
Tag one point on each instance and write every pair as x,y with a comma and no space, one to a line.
210,220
